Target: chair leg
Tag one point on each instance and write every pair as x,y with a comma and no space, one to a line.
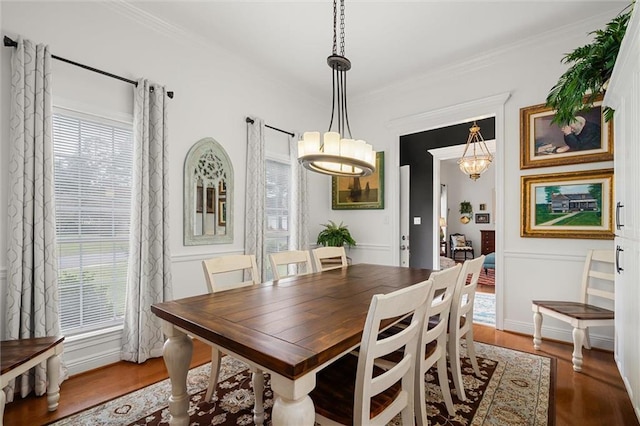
444,386
258,390
215,372
537,330
471,353
578,339
456,371
419,398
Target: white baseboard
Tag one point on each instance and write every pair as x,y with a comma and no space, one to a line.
555,333
83,353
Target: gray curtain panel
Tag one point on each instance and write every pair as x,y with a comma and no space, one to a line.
255,192
299,194
149,276
32,267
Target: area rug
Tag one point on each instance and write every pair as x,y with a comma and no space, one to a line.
487,279
484,309
516,388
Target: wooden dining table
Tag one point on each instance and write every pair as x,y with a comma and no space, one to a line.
290,328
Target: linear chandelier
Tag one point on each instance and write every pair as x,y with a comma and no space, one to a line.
478,163
336,155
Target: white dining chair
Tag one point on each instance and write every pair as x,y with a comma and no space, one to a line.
598,281
461,321
353,390
432,349
297,259
327,258
216,267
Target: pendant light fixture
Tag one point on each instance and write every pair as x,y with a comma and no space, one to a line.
478,163
337,155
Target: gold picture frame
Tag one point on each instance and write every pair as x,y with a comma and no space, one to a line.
568,205
222,211
359,193
543,144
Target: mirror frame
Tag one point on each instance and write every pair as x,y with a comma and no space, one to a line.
196,152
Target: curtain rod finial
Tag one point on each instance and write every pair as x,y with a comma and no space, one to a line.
9,43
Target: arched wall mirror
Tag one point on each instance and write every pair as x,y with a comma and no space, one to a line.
208,194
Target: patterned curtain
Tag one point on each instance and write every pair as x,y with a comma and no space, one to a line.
149,276
255,192
299,194
32,267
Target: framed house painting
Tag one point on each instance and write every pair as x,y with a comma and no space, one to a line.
542,144
359,192
568,205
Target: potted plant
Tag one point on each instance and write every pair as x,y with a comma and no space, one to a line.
589,73
335,235
466,210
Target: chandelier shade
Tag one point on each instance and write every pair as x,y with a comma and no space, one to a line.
334,154
479,159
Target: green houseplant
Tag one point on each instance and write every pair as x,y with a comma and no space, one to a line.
465,207
335,235
590,69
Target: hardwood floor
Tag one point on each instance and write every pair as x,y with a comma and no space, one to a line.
594,397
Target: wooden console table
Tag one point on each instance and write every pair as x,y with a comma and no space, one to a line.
19,356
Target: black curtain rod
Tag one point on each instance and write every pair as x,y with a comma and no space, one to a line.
250,120
11,43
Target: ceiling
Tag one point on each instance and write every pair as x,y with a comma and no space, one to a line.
386,41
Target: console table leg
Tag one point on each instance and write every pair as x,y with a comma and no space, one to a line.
53,377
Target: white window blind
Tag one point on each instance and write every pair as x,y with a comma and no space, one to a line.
277,209
93,172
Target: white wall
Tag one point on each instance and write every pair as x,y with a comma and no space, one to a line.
214,92
533,268
460,188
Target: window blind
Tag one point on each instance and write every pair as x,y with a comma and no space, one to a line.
93,172
277,208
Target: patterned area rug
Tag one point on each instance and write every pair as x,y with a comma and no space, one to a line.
487,279
516,388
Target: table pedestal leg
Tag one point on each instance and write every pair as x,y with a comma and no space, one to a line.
177,354
292,404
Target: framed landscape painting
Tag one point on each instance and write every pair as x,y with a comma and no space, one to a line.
359,192
568,205
544,144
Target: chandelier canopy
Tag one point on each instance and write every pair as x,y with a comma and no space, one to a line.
335,154
477,163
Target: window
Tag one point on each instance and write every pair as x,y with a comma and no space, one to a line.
277,210
93,172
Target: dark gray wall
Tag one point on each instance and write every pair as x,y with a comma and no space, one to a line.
413,152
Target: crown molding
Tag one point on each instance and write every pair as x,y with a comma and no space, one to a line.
486,58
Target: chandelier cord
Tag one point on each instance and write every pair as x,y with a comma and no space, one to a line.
335,27
341,27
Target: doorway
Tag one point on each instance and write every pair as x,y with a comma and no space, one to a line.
479,109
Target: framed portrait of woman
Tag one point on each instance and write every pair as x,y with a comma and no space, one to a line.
588,138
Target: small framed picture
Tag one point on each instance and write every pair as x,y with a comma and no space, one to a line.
568,205
482,217
483,207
